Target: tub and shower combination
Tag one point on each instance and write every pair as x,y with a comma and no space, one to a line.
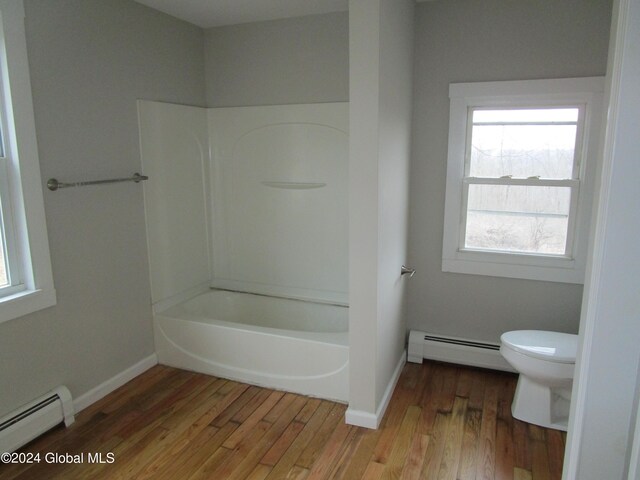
247,233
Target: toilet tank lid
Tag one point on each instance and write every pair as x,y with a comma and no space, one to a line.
550,346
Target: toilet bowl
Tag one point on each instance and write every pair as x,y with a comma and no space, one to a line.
545,362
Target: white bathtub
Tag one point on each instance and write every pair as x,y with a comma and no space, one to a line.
284,344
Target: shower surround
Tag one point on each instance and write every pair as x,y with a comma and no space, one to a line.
252,203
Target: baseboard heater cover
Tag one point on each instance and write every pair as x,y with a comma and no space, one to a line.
455,350
35,418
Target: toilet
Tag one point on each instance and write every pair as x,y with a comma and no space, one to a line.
545,361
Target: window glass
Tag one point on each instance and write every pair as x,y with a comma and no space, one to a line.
4,278
523,143
517,218
2,154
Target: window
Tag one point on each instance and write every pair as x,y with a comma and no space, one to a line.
10,277
520,177
26,282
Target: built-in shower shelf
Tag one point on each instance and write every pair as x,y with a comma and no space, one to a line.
294,185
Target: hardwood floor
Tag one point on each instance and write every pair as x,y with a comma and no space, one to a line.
443,422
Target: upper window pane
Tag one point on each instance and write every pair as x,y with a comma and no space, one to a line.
523,143
1,129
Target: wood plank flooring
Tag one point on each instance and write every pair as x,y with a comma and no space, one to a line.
443,422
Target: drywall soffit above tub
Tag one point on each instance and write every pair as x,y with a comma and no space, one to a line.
216,13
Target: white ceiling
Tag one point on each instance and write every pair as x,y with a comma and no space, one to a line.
214,13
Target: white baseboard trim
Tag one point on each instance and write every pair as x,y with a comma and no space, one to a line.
361,418
108,386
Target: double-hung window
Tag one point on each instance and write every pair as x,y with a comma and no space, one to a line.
519,177
26,281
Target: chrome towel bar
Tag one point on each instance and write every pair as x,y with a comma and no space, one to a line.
53,184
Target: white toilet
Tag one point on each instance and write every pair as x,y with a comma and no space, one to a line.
545,361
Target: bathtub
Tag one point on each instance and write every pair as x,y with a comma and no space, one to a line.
277,343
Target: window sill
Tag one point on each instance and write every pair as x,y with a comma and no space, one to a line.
527,267
25,302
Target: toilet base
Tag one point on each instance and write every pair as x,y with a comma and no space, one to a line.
540,404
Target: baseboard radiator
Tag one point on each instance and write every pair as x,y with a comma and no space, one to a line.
35,418
455,350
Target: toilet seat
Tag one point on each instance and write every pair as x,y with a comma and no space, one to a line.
543,345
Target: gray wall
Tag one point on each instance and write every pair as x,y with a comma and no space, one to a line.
394,147
487,40
90,60
604,427
380,138
296,60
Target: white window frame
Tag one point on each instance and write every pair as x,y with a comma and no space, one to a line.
29,249
585,93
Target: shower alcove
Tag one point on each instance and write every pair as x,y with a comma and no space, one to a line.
247,227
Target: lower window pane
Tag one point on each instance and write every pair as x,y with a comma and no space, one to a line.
4,278
518,218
